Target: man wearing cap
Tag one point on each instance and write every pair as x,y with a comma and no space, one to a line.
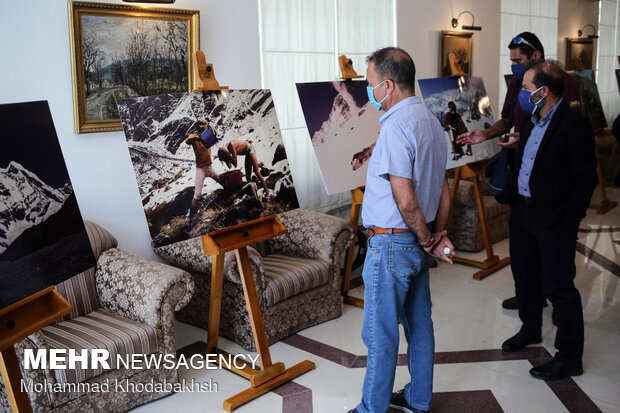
405,191
524,48
555,169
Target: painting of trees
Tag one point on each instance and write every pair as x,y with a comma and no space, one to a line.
130,57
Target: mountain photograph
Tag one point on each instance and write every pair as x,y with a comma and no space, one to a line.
460,104
343,127
43,240
206,160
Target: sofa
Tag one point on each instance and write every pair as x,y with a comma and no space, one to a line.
125,304
297,275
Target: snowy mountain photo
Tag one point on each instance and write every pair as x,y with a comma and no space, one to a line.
25,201
343,127
43,240
471,110
206,160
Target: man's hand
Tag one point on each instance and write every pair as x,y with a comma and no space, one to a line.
436,237
513,143
438,250
472,137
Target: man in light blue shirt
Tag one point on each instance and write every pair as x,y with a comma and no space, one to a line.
405,191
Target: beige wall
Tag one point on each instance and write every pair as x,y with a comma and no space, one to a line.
572,15
419,30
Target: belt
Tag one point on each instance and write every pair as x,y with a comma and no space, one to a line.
376,230
526,199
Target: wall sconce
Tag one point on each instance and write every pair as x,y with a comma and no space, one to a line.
150,1
455,22
590,36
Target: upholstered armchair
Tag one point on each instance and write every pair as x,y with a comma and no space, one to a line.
465,229
126,305
297,276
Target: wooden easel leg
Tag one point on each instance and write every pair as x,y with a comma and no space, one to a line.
250,394
215,302
12,376
356,207
455,186
492,263
491,258
268,369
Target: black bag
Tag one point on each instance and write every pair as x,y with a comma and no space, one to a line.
501,178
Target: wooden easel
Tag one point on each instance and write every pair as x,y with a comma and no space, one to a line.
346,68
357,197
237,238
492,263
17,322
605,204
206,75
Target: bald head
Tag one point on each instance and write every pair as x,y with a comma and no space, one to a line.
396,64
547,73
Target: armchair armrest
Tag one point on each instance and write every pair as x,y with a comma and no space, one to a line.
189,256
312,235
39,401
138,289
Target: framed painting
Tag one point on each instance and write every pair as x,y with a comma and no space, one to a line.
120,51
455,57
579,53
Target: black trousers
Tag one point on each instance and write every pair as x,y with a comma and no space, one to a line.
543,265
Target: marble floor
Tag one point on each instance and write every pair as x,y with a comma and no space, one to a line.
472,374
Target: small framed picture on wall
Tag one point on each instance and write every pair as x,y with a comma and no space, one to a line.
455,54
579,53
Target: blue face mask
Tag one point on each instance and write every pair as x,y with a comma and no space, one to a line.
371,96
526,103
518,70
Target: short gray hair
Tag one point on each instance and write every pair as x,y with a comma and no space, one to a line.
396,64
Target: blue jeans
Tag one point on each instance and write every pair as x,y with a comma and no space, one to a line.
396,279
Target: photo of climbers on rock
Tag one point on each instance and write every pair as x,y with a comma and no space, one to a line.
206,160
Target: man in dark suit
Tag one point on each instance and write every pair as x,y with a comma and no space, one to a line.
555,177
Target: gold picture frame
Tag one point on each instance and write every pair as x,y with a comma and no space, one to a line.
580,54
128,51
456,54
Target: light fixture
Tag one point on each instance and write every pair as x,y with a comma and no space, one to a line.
455,22
590,36
150,1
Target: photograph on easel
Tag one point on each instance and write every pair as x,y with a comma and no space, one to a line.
461,104
343,127
206,160
43,240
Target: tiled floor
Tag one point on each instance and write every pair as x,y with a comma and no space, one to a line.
471,373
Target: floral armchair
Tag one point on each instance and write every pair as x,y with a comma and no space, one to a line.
125,304
297,276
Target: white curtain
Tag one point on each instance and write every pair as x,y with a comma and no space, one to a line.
538,17
300,42
607,61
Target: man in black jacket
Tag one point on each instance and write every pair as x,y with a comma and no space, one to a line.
555,177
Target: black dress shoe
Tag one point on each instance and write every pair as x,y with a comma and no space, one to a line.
399,402
556,369
512,303
519,341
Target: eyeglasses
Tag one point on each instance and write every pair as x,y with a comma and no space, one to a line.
521,40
